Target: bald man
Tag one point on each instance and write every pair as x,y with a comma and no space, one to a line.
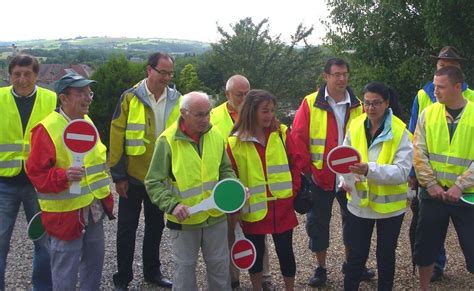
190,155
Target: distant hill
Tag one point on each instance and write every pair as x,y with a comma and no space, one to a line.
172,46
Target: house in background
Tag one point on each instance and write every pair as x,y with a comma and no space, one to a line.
50,73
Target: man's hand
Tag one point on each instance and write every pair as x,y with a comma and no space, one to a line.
412,182
436,191
122,188
247,194
453,194
75,173
181,212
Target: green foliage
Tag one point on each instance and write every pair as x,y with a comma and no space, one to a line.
188,80
113,78
391,40
287,70
452,22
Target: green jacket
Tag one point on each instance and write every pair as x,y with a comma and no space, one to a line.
160,169
134,168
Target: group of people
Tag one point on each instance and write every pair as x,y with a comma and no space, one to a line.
167,152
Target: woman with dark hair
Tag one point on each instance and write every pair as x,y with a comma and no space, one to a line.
258,148
381,184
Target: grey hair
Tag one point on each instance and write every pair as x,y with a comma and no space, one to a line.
231,81
192,96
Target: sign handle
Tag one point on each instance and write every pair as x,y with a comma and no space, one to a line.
78,161
205,204
350,182
239,234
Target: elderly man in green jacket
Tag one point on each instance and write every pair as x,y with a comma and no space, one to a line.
189,159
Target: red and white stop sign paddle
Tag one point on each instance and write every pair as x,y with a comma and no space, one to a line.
339,159
80,136
243,253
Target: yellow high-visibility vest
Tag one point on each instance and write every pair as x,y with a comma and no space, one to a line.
252,174
195,175
14,143
318,129
449,159
424,99
135,136
381,198
221,119
95,183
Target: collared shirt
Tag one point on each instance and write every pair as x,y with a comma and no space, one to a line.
339,110
234,114
158,107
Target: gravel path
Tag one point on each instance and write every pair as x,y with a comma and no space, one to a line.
18,275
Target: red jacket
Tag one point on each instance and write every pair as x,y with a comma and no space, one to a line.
300,131
281,216
50,179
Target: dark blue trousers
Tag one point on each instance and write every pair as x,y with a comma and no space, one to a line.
358,235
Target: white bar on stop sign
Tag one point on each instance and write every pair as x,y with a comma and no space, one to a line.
78,136
243,254
344,160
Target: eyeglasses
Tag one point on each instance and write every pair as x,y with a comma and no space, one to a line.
163,72
374,104
339,75
200,114
89,94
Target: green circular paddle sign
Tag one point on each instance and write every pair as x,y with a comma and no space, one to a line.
468,198
35,227
229,195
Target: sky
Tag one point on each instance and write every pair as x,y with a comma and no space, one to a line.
179,19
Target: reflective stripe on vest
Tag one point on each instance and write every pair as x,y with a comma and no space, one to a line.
208,186
95,183
449,159
381,198
222,120
252,174
318,124
136,131
195,175
14,143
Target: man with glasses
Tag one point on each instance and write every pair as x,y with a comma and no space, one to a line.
73,222
319,126
141,115
23,105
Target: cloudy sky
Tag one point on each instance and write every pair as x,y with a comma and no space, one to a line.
180,19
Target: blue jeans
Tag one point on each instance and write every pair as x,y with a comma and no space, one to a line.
11,197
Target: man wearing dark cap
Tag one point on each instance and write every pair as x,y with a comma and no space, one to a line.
23,105
448,56
72,221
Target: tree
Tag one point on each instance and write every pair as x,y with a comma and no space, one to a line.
188,80
113,78
287,70
391,40
451,22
